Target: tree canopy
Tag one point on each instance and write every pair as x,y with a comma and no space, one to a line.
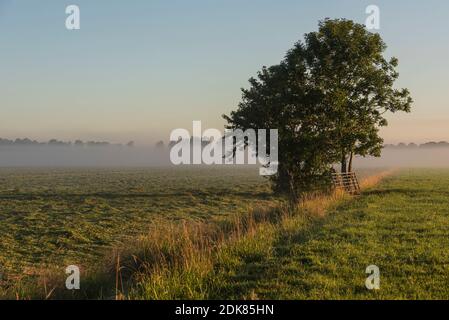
327,98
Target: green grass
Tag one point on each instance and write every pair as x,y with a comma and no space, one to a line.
52,218
401,225
57,217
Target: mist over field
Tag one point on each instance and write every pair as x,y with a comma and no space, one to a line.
419,157
122,156
71,156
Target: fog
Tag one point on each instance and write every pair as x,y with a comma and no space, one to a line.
122,156
71,156
414,157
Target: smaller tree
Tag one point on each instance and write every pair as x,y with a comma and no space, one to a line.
346,63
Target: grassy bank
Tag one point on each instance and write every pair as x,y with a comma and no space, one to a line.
400,225
192,266
321,252
222,264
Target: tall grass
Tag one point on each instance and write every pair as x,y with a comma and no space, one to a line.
174,260
373,180
182,261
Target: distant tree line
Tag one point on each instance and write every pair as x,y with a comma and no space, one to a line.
401,145
161,145
431,144
55,142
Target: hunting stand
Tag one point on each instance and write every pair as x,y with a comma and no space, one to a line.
347,182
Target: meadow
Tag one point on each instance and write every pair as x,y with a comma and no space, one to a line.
207,233
400,225
57,217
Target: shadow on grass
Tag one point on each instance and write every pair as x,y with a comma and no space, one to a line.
255,270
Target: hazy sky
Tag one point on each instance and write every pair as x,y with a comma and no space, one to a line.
138,69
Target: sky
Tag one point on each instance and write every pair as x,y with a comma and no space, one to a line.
138,69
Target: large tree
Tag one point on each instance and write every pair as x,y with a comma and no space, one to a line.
281,98
327,99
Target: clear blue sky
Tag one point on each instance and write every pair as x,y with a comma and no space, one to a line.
138,69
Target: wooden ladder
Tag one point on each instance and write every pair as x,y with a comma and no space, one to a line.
347,182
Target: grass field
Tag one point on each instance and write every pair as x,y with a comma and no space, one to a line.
317,249
58,217
400,225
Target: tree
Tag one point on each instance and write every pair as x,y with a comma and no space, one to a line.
281,98
346,62
327,99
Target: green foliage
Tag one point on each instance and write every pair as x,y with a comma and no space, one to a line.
327,99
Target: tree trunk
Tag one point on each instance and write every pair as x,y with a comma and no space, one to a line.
350,162
343,163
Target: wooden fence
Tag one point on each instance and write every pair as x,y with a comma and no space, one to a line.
347,182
